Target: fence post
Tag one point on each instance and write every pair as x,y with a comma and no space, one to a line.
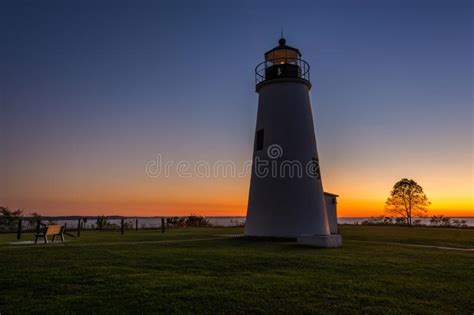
122,227
38,223
136,224
18,233
162,225
79,228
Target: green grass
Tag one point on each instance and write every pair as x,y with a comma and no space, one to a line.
376,271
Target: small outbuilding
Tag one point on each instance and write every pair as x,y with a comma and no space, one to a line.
331,210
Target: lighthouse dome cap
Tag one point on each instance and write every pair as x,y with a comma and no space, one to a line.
282,45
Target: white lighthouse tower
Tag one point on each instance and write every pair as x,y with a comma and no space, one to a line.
286,197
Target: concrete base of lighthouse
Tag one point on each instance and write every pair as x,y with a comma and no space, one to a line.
320,240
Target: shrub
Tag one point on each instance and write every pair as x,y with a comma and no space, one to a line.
380,220
195,220
440,220
189,221
175,222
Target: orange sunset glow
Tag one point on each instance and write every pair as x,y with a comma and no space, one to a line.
144,196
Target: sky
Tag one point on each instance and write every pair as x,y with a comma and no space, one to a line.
91,92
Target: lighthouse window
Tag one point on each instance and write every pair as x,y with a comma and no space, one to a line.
259,140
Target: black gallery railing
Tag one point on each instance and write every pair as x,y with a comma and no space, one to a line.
281,68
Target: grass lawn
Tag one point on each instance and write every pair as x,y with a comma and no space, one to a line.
376,271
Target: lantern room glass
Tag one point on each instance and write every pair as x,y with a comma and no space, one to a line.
282,56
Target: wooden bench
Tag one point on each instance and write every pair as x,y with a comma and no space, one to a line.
53,230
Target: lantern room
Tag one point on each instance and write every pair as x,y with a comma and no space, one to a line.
282,62
282,54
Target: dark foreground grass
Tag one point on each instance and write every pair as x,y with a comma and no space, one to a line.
376,271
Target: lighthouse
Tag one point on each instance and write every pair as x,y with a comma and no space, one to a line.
286,197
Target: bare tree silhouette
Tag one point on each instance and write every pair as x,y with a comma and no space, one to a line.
407,200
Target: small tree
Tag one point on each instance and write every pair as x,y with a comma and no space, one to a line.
407,200
9,217
34,217
102,222
5,212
